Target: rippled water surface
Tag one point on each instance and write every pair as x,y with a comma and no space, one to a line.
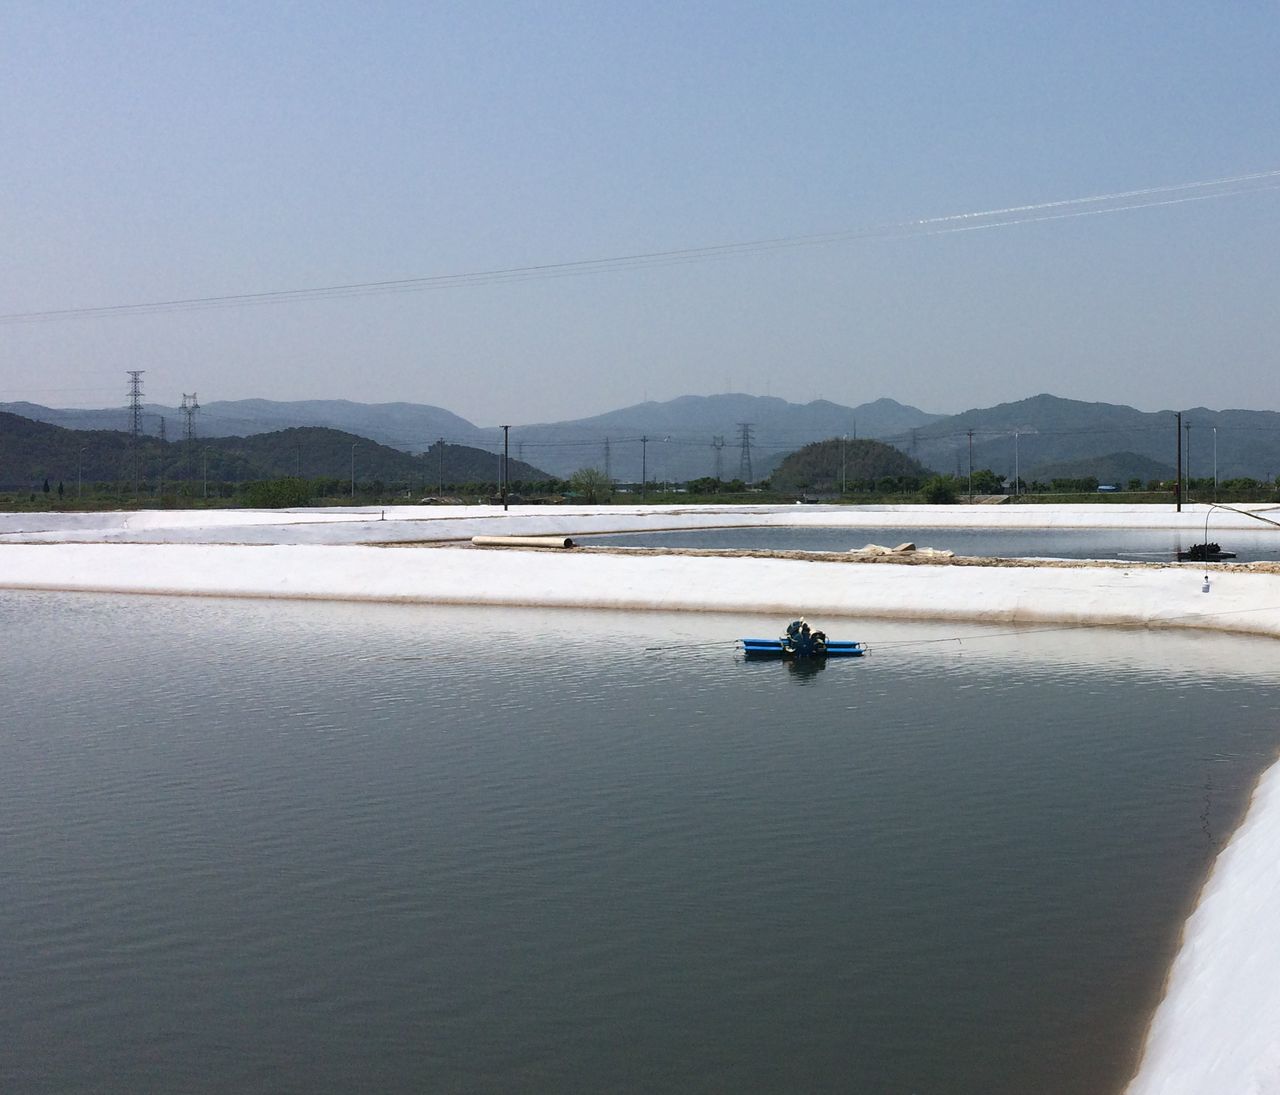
1132,544
276,847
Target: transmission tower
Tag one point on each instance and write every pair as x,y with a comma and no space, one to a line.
135,424
744,462
717,443
189,407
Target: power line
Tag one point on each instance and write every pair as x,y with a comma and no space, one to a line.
1116,202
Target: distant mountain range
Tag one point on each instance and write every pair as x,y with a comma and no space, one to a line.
411,427
681,439
747,436
1045,436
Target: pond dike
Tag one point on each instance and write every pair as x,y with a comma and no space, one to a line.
1241,598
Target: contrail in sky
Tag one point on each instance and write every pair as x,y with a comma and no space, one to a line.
1121,201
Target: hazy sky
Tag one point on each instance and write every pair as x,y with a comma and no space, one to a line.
151,152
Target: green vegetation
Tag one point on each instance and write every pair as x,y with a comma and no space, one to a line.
278,493
841,466
941,490
591,485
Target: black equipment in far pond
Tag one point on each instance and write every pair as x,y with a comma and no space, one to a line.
1204,553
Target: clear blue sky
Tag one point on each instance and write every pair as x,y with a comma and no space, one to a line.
154,151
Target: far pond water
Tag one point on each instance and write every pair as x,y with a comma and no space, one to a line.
1138,544
306,847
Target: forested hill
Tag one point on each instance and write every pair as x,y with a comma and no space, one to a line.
34,452
826,465
317,452
31,452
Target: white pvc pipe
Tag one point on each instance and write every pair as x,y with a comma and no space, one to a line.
523,541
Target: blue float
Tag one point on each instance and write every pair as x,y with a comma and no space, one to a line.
801,641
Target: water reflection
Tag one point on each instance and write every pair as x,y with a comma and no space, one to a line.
340,847
805,669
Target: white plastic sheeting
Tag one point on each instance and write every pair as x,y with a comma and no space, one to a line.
1218,1028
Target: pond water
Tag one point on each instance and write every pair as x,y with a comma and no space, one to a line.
270,847
1129,544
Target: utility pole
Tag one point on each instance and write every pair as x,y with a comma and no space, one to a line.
205,491
135,415
844,478
744,461
1215,463
353,470
440,468
971,467
644,465
80,474
608,467
163,442
1177,480
1187,426
1016,477
506,462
